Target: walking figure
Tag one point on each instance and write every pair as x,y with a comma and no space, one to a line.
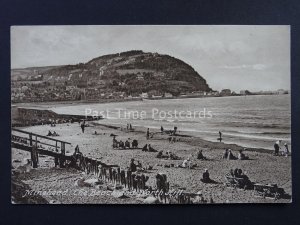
220,134
82,126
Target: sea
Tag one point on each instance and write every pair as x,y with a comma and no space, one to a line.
250,121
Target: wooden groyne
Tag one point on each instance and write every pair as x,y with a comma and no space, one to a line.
134,181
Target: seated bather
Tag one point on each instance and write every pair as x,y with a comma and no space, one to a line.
127,144
240,173
139,164
134,143
49,133
121,144
186,163
172,156
242,156
115,142
145,148
159,154
132,166
236,172
200,155
230,155
150,149
205,176
225,154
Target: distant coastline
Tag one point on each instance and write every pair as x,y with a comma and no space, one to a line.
49,104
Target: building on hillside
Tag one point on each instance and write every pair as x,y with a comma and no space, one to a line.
213,93
140,76
282,92
168,95
69,88
144,95
245,92
225,92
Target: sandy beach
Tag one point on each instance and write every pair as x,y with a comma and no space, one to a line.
262,167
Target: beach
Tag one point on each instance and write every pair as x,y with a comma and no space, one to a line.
262,167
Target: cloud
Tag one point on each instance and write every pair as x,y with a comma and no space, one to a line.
221,54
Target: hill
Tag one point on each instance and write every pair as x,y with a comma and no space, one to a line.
131,72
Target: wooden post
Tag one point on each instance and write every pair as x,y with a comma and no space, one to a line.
34,156
63,149
97,168
62,157
30,139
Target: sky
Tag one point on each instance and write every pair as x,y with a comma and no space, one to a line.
236,57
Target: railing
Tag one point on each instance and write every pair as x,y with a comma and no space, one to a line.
28,141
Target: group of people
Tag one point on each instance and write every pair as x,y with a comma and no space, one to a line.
148,148
238,173
172,132
187,163
277,148
230,156
169,155
124,145
54,134
129,126
162,130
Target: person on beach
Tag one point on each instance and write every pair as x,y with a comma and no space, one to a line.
231,172
236,172
121,144
225,154
145,148
49,133
132,166
139,164
134,143
205,176
286,150
242,156
76,150
150,149
230,155
186,163
200,155
148,133
82,125
161,129
130,127
127,144
277,147
115,142
159,154
175,130
220,134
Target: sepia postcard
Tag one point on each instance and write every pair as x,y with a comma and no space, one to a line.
150,114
